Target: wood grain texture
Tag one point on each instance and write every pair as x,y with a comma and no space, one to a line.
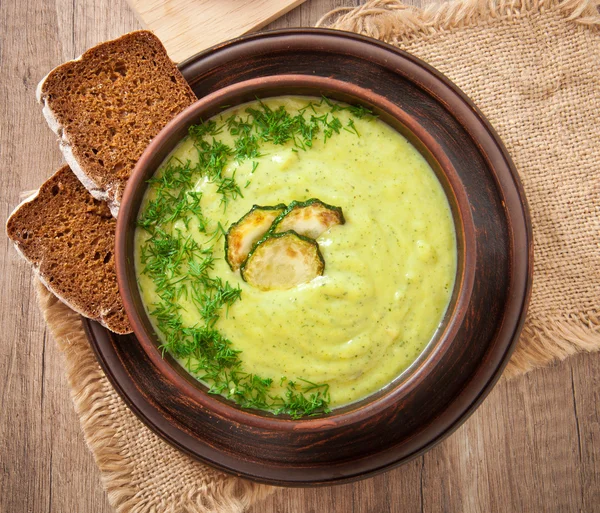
187,27
533,446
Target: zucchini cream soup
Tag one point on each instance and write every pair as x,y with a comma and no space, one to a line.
295,254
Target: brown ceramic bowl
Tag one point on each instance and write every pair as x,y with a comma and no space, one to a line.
457,368
424,369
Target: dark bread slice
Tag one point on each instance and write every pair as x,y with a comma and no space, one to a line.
107,105
69,237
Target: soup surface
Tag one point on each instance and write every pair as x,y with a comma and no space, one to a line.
388,273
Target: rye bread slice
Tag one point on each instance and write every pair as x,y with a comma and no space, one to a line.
107,105
69,237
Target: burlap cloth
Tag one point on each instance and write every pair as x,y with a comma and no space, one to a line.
534,70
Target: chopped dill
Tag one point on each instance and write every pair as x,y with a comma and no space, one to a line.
182,269
351,127
207,128
229,190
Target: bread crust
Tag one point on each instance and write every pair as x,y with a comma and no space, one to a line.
105,107
108,104
68,238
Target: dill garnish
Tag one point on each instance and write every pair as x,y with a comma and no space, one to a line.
183,270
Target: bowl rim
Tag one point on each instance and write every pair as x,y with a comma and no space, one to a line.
417,370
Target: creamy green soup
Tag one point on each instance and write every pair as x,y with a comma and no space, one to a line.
389,270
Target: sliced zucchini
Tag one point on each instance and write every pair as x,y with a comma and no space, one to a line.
309,218
242,235
281,261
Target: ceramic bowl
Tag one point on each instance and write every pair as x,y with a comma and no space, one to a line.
487,309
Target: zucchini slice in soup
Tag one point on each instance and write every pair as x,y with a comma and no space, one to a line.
310,218
283,260
242,235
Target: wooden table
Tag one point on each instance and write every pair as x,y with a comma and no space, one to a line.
534,445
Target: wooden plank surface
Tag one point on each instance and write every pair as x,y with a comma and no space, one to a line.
533,446
188,26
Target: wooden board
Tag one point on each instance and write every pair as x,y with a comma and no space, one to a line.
188,26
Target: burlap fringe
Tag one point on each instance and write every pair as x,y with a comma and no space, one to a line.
230,496
553,340
92,403
84,379
393,22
